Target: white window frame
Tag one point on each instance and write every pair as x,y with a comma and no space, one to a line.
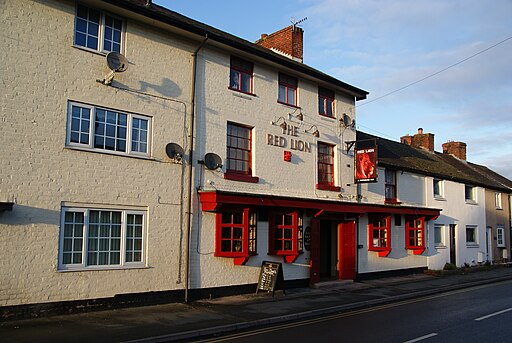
84,265
472,199
441,188
441,229
500,237
475,234
498,200
101,30
90,144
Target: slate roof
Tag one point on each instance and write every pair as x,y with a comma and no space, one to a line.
404,157
175,19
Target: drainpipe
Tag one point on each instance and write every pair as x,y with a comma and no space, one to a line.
190,176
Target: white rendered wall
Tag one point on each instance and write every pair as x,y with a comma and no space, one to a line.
217,105
455,210
41,71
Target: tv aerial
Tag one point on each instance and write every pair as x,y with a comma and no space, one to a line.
117,63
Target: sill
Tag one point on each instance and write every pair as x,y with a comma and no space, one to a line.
287,104
64,269
383,252
327,116
499,208
109,152
241,91
289,257
439,198
94,51
471,202
392,201
241,177
472,245
440,246
328,187
416,250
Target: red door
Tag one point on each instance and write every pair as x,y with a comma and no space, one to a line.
314,261
347,250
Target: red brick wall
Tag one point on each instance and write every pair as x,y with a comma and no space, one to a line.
457,149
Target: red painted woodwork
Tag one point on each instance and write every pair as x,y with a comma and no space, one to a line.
347,250
213,200
241,177
314,262
326,187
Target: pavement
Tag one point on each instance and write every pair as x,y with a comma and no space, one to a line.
206,318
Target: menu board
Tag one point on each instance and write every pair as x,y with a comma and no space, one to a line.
271,277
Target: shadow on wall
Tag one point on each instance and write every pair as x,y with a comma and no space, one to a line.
27,215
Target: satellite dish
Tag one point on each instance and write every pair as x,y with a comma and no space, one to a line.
347,121
117,62
212,161
174,151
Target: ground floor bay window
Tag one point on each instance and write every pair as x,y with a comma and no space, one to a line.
415,234
379,234
235,234
285,235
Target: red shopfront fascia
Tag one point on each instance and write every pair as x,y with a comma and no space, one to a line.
216,201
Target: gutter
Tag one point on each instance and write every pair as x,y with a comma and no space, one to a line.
190,159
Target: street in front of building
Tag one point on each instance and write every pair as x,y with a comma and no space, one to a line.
479,314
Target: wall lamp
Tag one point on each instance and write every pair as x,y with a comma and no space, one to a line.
299,116
283,125
314,131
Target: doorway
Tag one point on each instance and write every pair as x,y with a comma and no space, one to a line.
453,254
333,255
488,244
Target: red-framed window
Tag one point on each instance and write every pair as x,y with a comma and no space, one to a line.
390,186
287,93
379,234
325,102
240,75
415,234
326,167
285,235
239,153
235,234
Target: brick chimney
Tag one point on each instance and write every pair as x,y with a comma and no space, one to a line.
287,42
457,149
420,140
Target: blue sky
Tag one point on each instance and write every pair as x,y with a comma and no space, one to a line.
382,46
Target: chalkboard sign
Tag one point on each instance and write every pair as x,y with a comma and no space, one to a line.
271,277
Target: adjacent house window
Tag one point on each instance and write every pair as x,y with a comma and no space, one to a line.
240,77
497,200
285,235
326,167
439,235
438,188
235,234
112,131
97,31
287,93
469,192
415,234
471,235
500,237
379,234
239,153
325,102
390,186
101,238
